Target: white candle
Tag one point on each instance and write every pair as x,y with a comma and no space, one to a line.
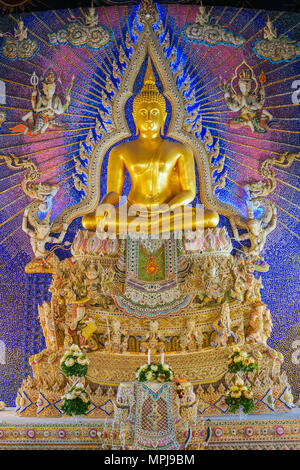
162,357
149,356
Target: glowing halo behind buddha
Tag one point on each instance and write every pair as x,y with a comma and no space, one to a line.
162,173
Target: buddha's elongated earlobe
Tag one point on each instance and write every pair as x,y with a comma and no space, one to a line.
136,128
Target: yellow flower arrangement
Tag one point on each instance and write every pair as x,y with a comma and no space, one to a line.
240,396
74,362
76,400
241,361
154,372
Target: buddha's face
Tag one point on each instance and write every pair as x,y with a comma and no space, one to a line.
149,118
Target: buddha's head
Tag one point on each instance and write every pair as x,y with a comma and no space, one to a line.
149,107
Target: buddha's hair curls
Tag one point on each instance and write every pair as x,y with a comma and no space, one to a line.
148,97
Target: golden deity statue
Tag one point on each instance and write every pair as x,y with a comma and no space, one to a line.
162,174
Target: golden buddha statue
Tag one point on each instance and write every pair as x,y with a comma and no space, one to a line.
162,176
